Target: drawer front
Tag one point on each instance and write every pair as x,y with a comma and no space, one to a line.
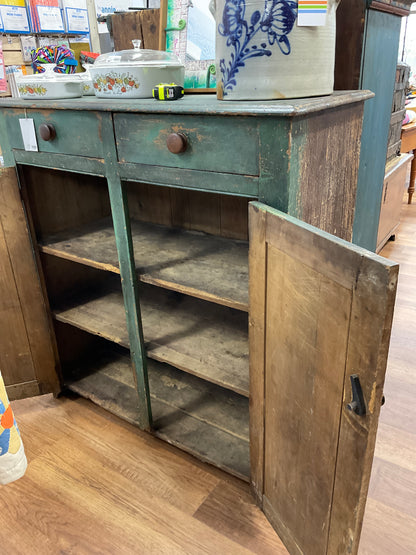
76,133
218,144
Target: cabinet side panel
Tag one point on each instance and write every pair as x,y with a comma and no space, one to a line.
328,165
27,282
378,74
15,356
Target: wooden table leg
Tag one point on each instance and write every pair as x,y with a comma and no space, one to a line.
411,188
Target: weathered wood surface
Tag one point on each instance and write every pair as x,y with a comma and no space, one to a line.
142,140
211,181
93,244
349,44
15,355
400,8
27,358
202,338
61,201
173,326
198,417
76,133
328,315
141,24
222,215
204,266
79,164
129,283
257,310
196,104
328,171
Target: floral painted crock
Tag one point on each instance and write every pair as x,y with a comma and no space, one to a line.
262,53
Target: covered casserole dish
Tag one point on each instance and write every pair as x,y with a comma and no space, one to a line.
134,73
49,85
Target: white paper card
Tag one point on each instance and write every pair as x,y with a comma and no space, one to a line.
312,14
50,18
14,19
77,20
27,127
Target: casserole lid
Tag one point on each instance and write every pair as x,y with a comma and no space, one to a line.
138,57
49,76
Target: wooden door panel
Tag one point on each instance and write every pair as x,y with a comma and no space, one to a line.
302,299
325,310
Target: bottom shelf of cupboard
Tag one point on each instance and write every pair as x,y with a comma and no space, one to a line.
200,418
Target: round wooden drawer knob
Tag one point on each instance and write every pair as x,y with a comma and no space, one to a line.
47,131
177,142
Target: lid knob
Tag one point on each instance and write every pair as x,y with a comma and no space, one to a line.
136,44
177,142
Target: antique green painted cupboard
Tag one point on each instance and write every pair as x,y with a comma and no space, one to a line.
138,217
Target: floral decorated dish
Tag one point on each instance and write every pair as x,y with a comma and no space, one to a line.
49,85
134,73
87,84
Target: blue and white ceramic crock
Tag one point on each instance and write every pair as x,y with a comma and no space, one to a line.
262,53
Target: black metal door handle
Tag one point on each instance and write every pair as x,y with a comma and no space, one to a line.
357,404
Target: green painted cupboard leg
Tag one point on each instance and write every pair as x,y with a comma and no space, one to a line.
129,282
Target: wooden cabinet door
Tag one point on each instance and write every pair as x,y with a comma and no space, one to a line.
320,312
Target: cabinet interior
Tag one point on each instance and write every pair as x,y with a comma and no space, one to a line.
191,255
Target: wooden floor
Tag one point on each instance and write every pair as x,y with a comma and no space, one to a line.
97,485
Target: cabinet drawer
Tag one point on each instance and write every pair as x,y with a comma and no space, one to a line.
76,133
226,144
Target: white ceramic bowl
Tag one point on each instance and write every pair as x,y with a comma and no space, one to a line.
134,73
49,85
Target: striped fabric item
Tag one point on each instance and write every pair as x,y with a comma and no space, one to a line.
312,12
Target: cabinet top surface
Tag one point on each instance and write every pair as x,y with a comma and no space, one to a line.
197,104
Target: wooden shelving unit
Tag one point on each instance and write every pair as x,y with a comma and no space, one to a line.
194,310
158,333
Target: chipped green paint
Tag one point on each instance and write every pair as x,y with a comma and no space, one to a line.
129,282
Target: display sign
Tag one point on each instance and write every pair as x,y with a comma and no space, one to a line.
104,7
77,21
14,19
27,127
50,19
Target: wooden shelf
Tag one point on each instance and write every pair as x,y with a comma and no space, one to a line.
194,263
204,339
199,417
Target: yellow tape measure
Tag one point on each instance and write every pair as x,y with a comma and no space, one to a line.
168,91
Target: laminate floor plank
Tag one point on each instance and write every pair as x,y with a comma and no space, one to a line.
123,491
389,522
244,524
394,486
387,531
